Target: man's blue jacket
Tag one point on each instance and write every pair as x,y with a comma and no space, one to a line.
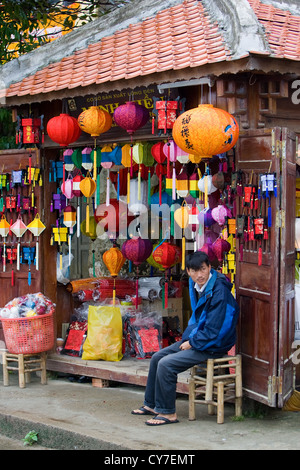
212,326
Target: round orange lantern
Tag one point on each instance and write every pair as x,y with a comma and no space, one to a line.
63,129
205,131
94,121
113,260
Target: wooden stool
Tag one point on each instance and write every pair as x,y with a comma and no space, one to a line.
24,364
216,384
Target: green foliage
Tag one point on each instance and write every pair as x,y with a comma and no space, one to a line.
7,130
30,438
22,21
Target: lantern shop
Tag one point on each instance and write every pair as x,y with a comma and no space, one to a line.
123,167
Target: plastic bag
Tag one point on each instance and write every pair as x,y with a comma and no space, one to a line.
104,335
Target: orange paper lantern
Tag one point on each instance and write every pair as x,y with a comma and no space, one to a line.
113,260
205,131
94,121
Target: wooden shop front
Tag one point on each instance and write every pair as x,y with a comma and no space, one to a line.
262,269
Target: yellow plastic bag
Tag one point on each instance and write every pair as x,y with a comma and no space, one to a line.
104,335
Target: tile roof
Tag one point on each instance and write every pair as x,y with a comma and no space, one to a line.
282,29
178,37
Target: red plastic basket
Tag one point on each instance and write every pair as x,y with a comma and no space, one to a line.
29,335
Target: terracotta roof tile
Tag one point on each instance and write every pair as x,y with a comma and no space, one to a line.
282,29
178,37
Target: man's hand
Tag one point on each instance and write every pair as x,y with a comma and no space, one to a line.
185,345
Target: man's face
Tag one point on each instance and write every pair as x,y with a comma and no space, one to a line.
200,276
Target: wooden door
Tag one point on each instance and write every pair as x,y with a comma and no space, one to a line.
14,282
264,290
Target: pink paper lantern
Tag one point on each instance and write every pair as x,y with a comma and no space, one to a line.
131,116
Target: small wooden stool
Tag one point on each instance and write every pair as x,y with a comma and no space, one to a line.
217,381
24,364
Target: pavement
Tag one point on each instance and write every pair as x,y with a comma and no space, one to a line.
79,416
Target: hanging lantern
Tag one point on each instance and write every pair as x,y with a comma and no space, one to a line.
206,186
36,227
89,228
76,185
220,247
67,187
68,162
30,131
131,116
86,161
18,228
87,187
4,230
138,197
193,184
109,218
63,129
181,217
77,158
208,249
69,217
167,255
137,250
95,121
182,185
205,131
166,112
220,213
113,260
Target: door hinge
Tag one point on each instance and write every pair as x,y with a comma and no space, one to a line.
280,218
274,386
283,150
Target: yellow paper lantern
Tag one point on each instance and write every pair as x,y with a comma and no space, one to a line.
113,260
205,131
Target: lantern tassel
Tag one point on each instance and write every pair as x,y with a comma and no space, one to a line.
107,189
29,277
131,158
128,187
183,254
260,256
139,183
98,190
168,161
18,256
4,257
166,291
149,187
136,291
174,184
114,293
118,187
30,169
37,255
95,162
70,250
78,221
12,278
87,218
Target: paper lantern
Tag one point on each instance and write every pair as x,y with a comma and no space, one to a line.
131,116
36,227
89,229
138,197
108,217
87,187
4,229
86,161
205,131
76,185
18,228
167,255
193,184
219,247
63,129
137,250
113,260
182,184
69,216
68,162
208,249
95,121
67,187
220,213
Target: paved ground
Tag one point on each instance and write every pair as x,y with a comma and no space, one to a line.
78,416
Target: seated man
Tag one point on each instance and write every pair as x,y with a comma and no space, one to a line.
211,332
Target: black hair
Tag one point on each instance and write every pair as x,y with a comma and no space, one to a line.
195,260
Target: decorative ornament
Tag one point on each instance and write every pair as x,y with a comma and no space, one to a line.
166,112
86,161
205,131
167,255
87,187
4,230
114,260
18,228
219,247
68,162
69,221
36,227
29,131
181,217
63,129
137,250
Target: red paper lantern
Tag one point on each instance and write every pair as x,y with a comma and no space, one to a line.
167,255
158,153
63,129
131,116
110,217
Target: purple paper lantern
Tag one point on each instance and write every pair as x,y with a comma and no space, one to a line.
131,116
219,247
137,250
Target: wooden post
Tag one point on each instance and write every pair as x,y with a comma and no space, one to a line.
5,371
21,371
220,407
